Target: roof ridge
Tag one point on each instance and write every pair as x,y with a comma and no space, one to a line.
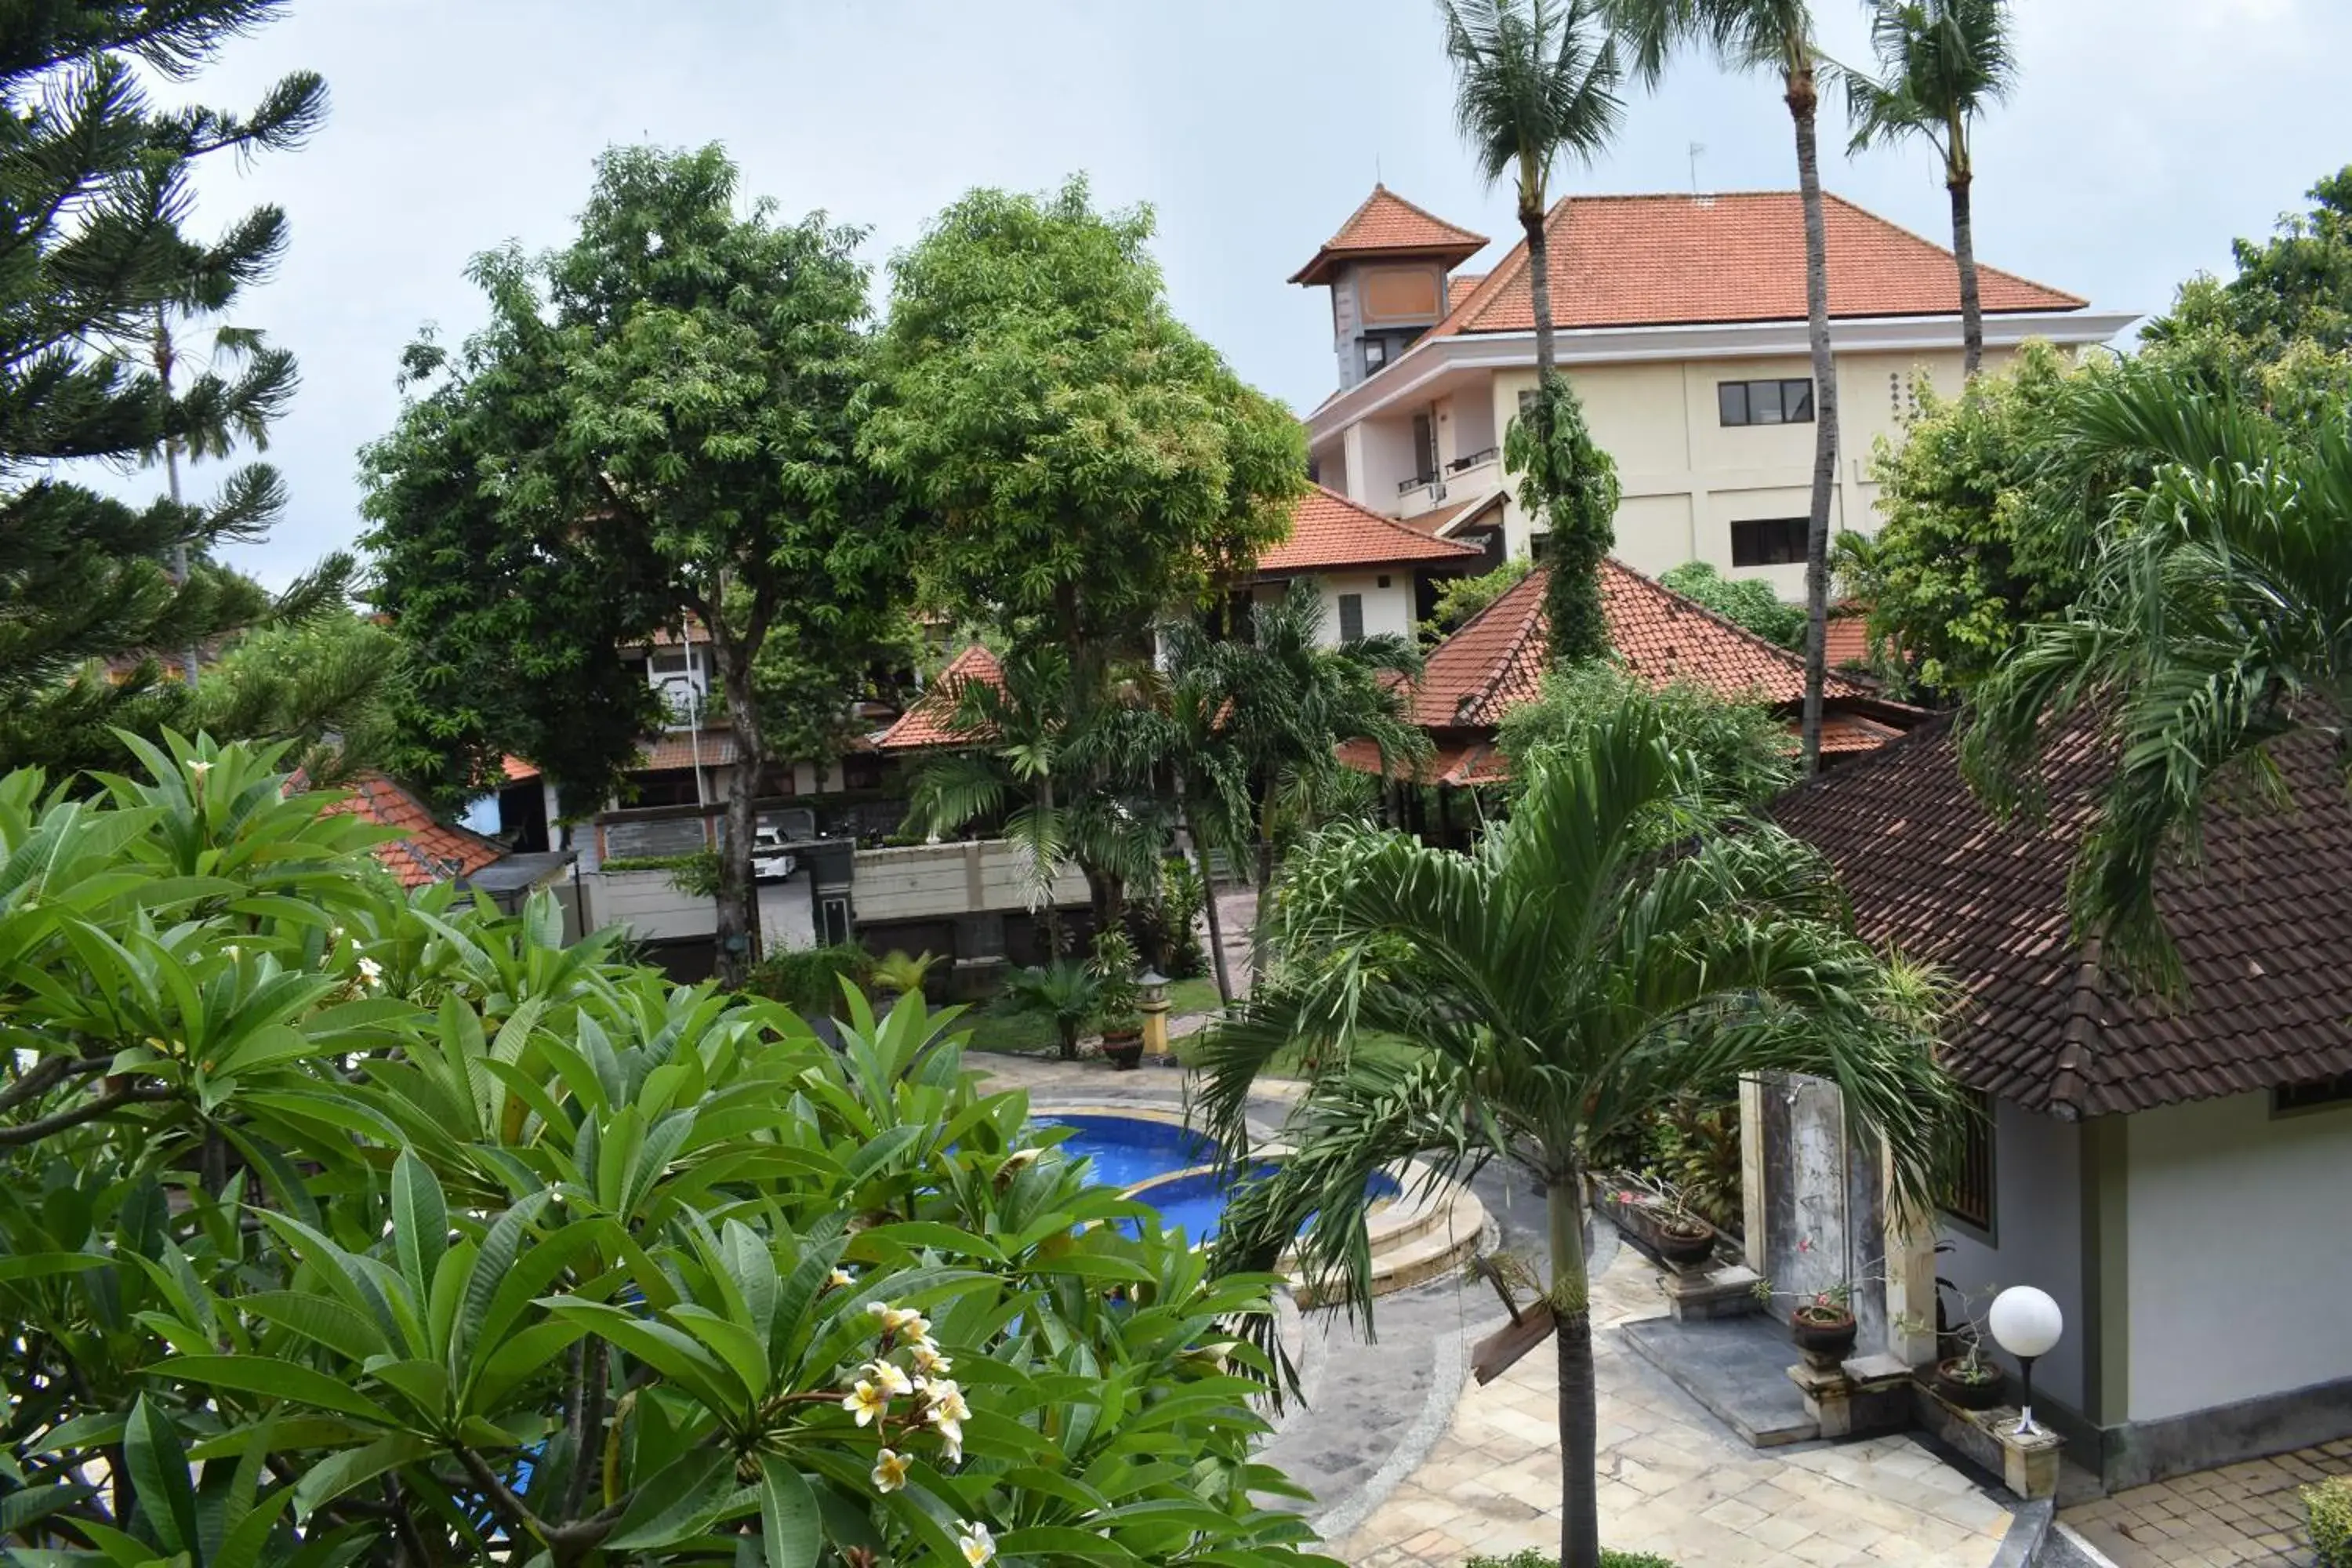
2069,1082
1945,252
1379,189
1727,624
1472,700
1927,728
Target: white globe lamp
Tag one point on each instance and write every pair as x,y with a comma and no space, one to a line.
2026,1323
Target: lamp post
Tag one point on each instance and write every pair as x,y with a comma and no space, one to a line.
2026,1323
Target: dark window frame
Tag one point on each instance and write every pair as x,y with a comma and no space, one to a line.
1355,603
1747,392
1971,1199
1802,526
2321,1094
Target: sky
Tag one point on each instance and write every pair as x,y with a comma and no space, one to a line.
2145,135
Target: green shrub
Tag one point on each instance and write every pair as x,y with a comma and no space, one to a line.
1532,1559
2330,1505
808,980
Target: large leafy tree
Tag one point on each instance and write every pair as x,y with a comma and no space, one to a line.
2216,621
1941,64
1565,981
2296,286
344,1226
95,251
657,428
1741,747
1081,461
1775,36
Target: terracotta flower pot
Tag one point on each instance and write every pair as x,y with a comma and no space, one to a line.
1824,1335
1683,1248
1124,1051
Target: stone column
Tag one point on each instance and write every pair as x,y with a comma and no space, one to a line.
1910,1277
1753,1197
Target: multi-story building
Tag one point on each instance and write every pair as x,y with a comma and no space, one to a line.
1681,321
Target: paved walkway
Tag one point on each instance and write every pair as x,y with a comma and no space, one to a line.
2250,1514
1673,1480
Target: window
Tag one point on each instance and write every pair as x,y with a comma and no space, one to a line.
2336,1091
1383,580
1424,448
832,921
1352,617
1376,354
1769,541
1969,1196
1765,402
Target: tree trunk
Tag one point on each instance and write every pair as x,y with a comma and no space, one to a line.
1531,221
1964,253
1264,917
738,906
1209,899
1571,1310
1801,106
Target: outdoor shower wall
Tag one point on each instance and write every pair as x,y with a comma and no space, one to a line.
1825,1221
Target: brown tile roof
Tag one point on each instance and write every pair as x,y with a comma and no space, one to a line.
1328,531
2265,927
1388,224
1847,641
1621,261
927,723
715,749
517,771
1496,660
430,850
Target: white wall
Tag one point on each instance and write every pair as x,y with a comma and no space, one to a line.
925,881
2037,1237
2238,1252
1386,610
649,904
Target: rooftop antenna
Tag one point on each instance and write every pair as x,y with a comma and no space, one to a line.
1695,149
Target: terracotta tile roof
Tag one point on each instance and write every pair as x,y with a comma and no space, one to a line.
1458,765
431,850
1848,640
516,770
1388,224
1444,521
2265,927
1329,531
1496,660
1665,259
926,724
716,749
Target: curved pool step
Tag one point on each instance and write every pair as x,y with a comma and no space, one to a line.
1415,1238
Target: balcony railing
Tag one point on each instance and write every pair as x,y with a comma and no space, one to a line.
1406,487
1464,464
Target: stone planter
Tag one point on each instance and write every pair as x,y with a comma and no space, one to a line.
1124,1051
1826,1340
1681,1248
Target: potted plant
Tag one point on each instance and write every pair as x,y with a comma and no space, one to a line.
1968,1381
1122,1040
1822,1325
1680,1238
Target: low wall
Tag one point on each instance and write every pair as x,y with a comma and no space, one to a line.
929,881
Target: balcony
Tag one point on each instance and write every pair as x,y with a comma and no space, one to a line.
1416,496
1479,459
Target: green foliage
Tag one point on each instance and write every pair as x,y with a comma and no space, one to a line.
1081,458
809,980
1984,529
1740,749
1532,79
1532,1559
1069,994
1942,61
2329,1507
1167,920
97,182
2295,287
656,428
898,972
1460,598
335,1216
1746,602
698,874
2212,626
1571,484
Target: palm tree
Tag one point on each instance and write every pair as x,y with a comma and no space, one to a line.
1531,81
2218,623
1565,981
1271,712
1776,36
1944,61
1040,761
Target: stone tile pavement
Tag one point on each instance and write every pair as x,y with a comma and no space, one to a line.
2240,1516
1673,1480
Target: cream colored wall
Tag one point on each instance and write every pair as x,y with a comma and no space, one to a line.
1687,477
1386,610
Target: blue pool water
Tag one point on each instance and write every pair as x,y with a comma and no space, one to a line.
1131,1150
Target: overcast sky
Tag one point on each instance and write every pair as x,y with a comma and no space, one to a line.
2145,136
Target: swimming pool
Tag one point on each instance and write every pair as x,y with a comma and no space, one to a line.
1162,1164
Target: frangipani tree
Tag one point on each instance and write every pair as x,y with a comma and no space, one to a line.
1564,980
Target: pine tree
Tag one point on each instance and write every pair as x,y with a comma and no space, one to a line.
95,262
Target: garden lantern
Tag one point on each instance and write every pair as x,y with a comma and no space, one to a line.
2026,1323
1151,992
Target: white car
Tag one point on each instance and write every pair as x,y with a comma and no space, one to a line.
769,863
